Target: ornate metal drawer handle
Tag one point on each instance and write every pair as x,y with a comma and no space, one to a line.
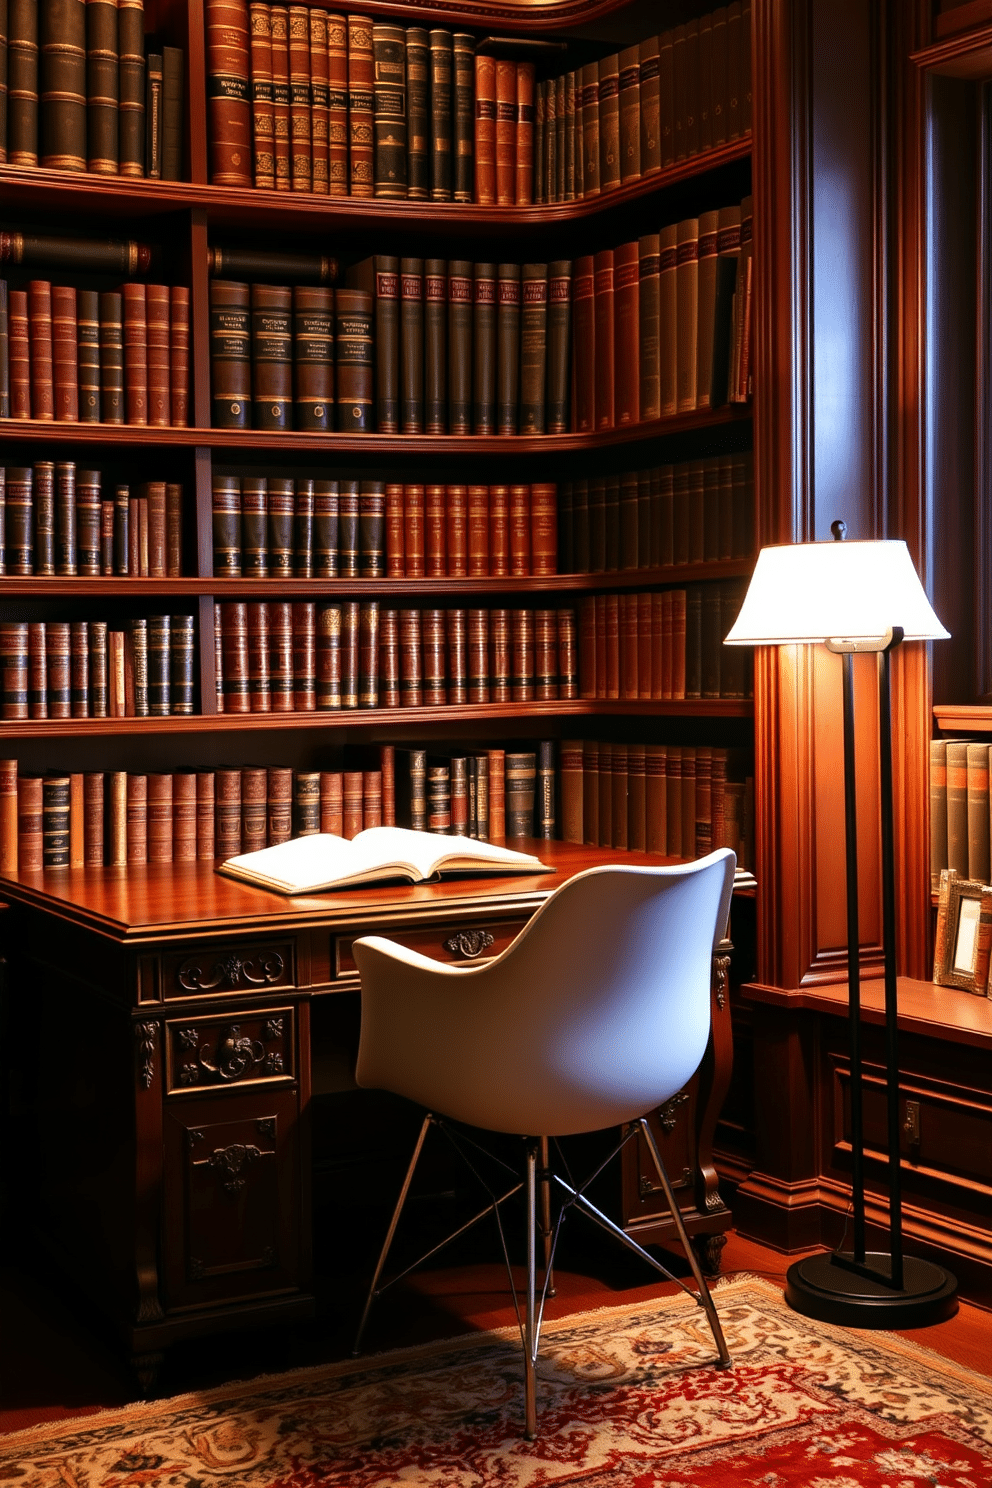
469,943
258,970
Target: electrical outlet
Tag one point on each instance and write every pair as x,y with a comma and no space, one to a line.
911,1125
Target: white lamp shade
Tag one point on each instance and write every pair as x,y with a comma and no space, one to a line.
838,591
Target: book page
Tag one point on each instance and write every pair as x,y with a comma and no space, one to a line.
430,852
297,866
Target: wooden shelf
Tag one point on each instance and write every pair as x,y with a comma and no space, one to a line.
936,1012
969,718
212,723
124,588
230,206
967,56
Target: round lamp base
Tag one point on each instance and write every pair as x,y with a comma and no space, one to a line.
823,1287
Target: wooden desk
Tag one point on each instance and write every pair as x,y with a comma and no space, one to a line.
160,1043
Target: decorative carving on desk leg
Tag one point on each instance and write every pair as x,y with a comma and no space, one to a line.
258,970
272,1029
667,1113
468,943
230,1161
266,1127
721,967
146,1036
708,1248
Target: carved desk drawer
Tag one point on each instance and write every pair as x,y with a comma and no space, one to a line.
233,968
230,1049
460,944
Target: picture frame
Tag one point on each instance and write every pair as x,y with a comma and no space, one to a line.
964,934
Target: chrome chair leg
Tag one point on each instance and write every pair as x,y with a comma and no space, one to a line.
530,1331
691,1257
386,1244
547,1232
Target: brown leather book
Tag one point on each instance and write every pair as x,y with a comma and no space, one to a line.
259,648
568,654
272,356
65,536
679,83
348,531
40,319
136,818
159,645
520,784
957,806
477,656
279,804
240,527
14,651
520,531
228,92
395,567
338,171
978,812
540,105
649,63
434,662
88,355
183,816
735,70
690,106
300,145
181,663
368,654
696,508
88,523
628,510
62,85
668,329
350,629
543,528
227,816
435,531
65,365
92,819
361,90
116,793
609,122
435,346
153,116
533,348
485,130
706,296
438,792
413,531
331,803
37,669
111,357
463,90
604,334
380,278
456,531
545,655
131,81
522,676
304,656
704,111
629,68
745,55
313,357
43,517
371,530
218,660
390,111
559,345
410,646
254,809
629,647
319,101
678,643
478,531
418,114
19,351
484,349
389,658
504,148
524,135
499,531
281,124
352,802
22,85
122,529
411,379
98,668
135,352
459,347
353,337
648,327
441,108
626,277
584,361
326,521
560,161
500,667
590,128
550,161
718,76
456,631
687,313
234,631
570,757
645,648
56,800
159,817
262,116
571,160
458,772
495,761
588,647
610,608
157,298
173,65
329,658
507,348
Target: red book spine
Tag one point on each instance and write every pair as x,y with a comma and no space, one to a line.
135,353
506,132
413,531
584,355
629,650
485,130
456,525
329,658
522,656
184,816
389,658
568,660
587,646
499,531
40,316
65,356
305,657
332,802
543,528
434,531
30,824
645,648
525,134
435,691
234,633
519,531
159,818
626,289
478,656
158,352
395,559
281,656
387,772
205,813
604,342
353,784
499,655
20,354
457,659
411,676
229,105
478,531
137,819
259,687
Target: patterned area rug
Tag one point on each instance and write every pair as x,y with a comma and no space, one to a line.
627,1400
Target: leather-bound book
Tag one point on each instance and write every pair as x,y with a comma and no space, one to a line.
604,339
459,796
65,365
279,805
718,788
319,100
441,99
435,346
252,504
609,608
304,656
494,763
326,504
329,658
524,135
347,531
680,513
55,821
696,511
679,601
679,84
281,121
459,347
645,648
413,531
98,668
227,818
726,274
628,549
477,656
122,529
478,531
438,798
259,648
272,356
568,654
690,64
549,165
178,333
65,535
485,130
456,632
584,355
40,318
687,313
604,781
560,162
37,669
938,811
629,650
338,171
361,87
452,550
609,122
710,470
435,692
718,76
230,354
418,114
19,354
137,819
181,662
390,115
300,145
588,648
88,355
395,564
520,785
533,348
135,307
158,354
578,559
14,669
499,531
62,84
389,658
572,163
668,325
303,530
43,517
153,116
662,535
957,805
234,631
353,335
661,636
173,63
570,755
313,357
745,73
688,801
735,69
500,655
371,530
228,91
504,147
22,84
368,654
543,512
626,281
463,91
522,656
411,379
411,795
735,663
254,804
386,775
507,348
92,824
545,655
648,327
703,79
350,629
88,523
649,64
559,345
111,358
380,278
411,674
159,807
590,129
978,812
520,531
369,793
262,117
183,816
612,522
629,66
540,107
159,644
484,349
706,297
218,659
116,793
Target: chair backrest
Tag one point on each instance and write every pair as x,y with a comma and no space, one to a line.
596,1013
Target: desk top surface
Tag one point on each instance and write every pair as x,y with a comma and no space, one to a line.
156,900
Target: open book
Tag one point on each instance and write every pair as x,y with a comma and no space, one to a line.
308,865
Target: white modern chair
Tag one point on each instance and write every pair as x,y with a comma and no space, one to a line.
598,1012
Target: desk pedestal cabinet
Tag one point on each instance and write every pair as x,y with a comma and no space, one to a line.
160,1061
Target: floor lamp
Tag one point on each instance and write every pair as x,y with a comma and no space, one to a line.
854,597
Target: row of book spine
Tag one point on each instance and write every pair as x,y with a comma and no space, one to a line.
277,657
52,669
663,645
86,356
662,324
85,91
276,528
55,521
645,108
671,799
960,810
696,511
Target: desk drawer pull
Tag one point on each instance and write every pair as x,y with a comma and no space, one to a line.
468,943
236,971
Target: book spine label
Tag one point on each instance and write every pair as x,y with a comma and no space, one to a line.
303,530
